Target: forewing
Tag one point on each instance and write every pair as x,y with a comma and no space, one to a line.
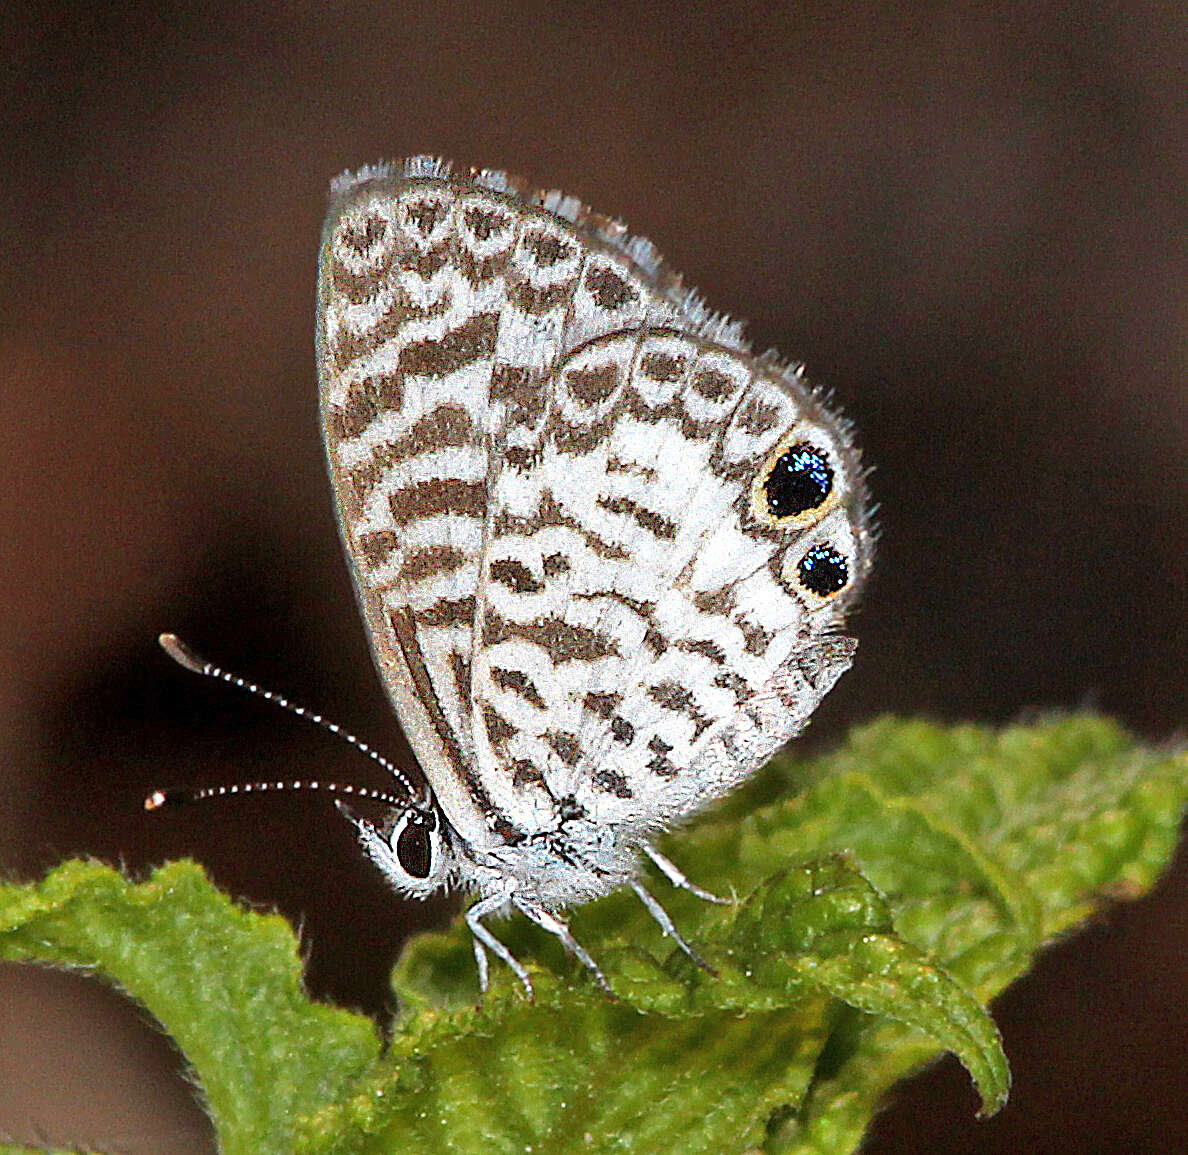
445,307
410,304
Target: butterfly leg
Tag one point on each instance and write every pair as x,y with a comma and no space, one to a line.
560,928
483,938
674,874
480,961
666,924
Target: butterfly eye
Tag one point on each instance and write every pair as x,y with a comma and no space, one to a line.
414,848
800,479
823,571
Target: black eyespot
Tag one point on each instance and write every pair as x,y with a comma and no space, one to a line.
823,570
413,849
801,479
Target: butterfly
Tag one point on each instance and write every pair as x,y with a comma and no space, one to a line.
601,550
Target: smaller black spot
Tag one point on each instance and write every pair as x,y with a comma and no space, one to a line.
506,831
655,641
546,249
661,764
525,773
662,367
800,480
823,571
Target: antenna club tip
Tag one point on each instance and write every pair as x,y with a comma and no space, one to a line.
181,653
160,799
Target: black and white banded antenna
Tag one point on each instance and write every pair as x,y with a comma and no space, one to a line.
185,657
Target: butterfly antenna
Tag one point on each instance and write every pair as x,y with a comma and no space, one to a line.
185,657
159,799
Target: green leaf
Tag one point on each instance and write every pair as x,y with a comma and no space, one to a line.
885,893
224,982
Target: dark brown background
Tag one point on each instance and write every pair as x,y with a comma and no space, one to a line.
967,219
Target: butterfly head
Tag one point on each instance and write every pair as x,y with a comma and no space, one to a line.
412,847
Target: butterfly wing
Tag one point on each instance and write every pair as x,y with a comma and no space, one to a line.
646,582
406,348
549,464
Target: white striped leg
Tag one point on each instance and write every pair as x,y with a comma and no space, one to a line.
558,927
666,924
484,938
673,873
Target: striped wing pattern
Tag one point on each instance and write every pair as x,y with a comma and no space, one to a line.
549,462
631,600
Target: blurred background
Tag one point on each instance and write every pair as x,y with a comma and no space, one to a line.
967,219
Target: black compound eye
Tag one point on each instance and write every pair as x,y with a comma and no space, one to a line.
823,571
414,850
800,480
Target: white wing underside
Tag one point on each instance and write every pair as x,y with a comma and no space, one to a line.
545,455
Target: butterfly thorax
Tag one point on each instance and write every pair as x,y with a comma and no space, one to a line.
576,861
